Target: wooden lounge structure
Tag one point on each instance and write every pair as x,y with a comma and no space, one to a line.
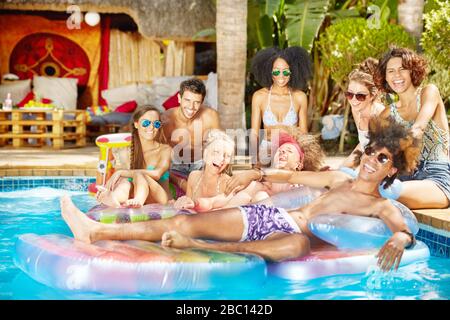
16,130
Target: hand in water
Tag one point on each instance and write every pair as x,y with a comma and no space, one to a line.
391,253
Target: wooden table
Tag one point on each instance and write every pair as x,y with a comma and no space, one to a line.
14,127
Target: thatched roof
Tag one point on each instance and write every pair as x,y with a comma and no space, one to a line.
156,19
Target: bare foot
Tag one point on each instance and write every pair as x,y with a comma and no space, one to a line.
107,197
81,226
177,240
133,203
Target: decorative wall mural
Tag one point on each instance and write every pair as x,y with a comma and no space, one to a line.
52,55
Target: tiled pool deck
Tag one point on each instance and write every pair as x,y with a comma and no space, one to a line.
438,239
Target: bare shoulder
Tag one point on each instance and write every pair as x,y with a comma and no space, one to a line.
386,208
208,112
166,149
299,94
194,175
260,95
337,178
431,91
300,98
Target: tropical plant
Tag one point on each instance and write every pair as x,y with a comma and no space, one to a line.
285,23
435,42
350,41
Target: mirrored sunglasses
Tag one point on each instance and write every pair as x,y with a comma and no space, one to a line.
156,124
381,157
359,96
286,73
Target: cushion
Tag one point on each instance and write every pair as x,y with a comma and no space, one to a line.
211,91
18,89
164,87
28,97
118,96
129,106
171,102
63,91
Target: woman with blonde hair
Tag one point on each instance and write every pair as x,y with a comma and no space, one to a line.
206,187
362,94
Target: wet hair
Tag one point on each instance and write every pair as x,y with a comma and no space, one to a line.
136,152
364,73
411,60
219,135
405,149
193,85
297,58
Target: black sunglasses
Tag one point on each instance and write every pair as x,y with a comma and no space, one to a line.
359,96
381,157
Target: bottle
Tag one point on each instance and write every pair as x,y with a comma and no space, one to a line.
7,105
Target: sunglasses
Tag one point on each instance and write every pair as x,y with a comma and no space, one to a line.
286,73
381,158
359,96
156,124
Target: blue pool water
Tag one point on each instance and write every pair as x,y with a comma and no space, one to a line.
37,211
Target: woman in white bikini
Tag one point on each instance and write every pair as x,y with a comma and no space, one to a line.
282,103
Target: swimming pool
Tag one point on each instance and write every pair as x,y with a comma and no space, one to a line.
31,205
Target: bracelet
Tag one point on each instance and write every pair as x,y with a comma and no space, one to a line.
261,174
413,239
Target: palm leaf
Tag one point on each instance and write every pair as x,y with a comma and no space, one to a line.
271,7
304,18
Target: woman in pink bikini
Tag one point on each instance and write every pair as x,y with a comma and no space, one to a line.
282,103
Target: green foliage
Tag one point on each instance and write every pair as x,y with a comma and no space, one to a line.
284,22
304,19
435,42
351,41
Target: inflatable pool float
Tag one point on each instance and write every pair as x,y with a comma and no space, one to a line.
329,260
105,164
105,214
353,241
133,267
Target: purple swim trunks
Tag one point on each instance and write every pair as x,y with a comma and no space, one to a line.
261,221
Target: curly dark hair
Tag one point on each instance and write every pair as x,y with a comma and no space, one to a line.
193,85
405,149
297,58
411,61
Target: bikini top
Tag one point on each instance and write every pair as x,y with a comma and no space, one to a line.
435,139
164,177
290,119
